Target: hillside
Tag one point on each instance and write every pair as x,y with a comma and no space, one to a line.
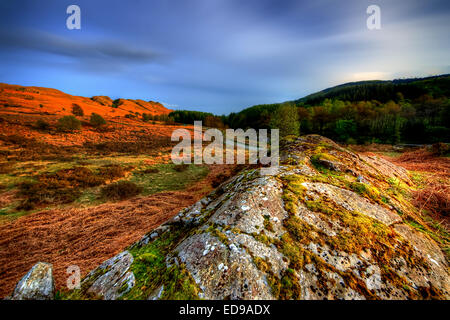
328,223
36,100
406,110
81,196
382,90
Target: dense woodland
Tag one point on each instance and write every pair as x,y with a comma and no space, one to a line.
399,111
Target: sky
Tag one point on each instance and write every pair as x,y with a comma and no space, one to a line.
218,56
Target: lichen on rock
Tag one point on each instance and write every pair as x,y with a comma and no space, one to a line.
37,284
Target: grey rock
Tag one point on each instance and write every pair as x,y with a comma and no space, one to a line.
112,279
37,284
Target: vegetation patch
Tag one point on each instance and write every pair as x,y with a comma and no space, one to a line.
152,273
42,125
77,110
167,178
366,190
120,190
96,120
68,124
65,185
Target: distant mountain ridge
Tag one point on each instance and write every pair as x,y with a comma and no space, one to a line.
382,90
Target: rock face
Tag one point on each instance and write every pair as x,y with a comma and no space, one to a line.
112,278
309,230
37,284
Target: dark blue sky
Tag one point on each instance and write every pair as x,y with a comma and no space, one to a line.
218,55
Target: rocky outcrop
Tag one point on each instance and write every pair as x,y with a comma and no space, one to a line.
111,279
308,230
37,284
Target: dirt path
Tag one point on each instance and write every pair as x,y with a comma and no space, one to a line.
87,237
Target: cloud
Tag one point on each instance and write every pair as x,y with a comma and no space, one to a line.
107,51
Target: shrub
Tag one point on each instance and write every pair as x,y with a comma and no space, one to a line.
181,167
146,117
150,170
112,171
62,186
97,120
120,190
6,167
77,110
42,125
46,192
440,149
116,103
69,123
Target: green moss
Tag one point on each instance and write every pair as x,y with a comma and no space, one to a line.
366,190
362,233
179,284
263,238
273,280
290,286
418,178
267,224
433,230
398,187
220,235
317,156
149,266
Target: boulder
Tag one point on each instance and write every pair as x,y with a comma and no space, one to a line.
37,284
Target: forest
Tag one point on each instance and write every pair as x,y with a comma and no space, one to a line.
398,111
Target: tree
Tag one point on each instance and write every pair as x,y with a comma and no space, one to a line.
69,124
320,117
213,122
42,125
285,118
146,117
345,129
96,120
77,110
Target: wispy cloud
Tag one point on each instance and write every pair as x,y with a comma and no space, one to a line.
106,50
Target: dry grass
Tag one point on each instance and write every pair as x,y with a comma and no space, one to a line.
87,237
434,197
433,194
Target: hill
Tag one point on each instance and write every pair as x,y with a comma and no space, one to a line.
382,90
405,110
37,100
